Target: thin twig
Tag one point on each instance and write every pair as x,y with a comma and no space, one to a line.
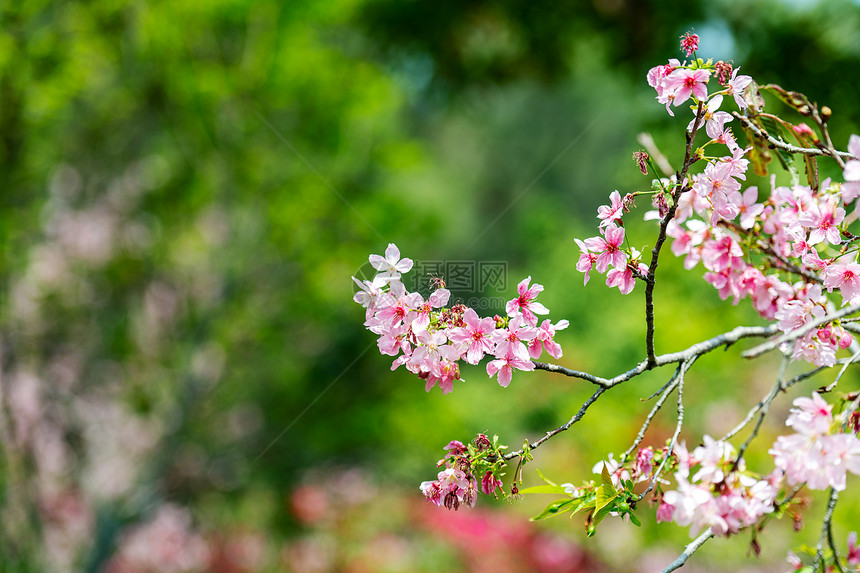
826,533
757,407
833,384
666,392
563,427
678,425
828,143
765,406
787,146
799,332
688,551
725,339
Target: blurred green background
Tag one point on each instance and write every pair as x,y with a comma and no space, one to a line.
188,188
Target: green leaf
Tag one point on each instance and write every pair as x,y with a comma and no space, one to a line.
793,99
601,514
606,494
555,508
635,520
607,479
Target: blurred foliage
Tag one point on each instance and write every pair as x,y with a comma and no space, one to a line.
190,185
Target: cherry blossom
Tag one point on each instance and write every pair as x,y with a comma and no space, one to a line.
391,265
525,303
544,337
736,87
612,213
608,248
683,83
476,335
586,260
505,368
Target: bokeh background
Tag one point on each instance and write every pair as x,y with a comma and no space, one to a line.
187,187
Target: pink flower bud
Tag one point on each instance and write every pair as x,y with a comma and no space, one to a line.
489,483
689,43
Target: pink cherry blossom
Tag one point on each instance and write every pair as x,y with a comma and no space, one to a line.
510,341
748,208
852,558
505,368
476,335
545,337
525,303
683,83
391,266
736,87
823,218
609,214
438,299
608,248
722,253
369,293
621,278
846,278
714,119
586,260
400,307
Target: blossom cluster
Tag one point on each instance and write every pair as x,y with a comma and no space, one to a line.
819,453
720,495
456,485
429,339
750,242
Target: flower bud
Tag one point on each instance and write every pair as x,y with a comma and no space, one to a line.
825,113
689,43
660,203
641,159
489,483
723,71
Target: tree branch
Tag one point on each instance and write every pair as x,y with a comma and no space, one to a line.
563,427
681,372
688,551
681,186
827,534
764,407
727,338
833,384
799,332
787,146
665,392
757,407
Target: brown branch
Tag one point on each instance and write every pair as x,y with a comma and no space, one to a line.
563,427
837,155
681,187
785,385
764,407
664,392
727,338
